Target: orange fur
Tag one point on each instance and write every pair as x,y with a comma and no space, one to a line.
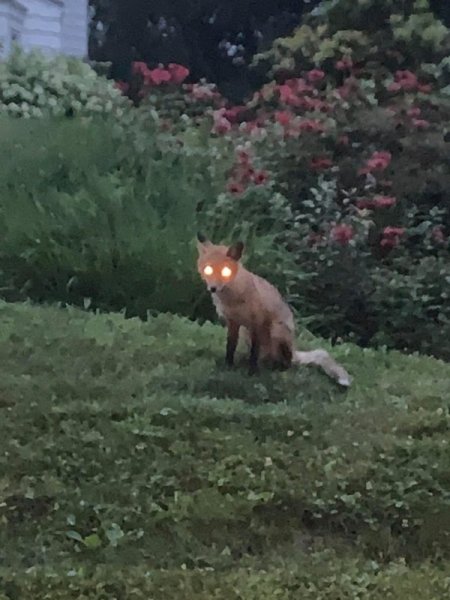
245,300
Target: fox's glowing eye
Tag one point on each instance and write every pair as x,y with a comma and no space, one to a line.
208,270
226,272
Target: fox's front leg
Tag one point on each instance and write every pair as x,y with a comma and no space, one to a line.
232,341
254,354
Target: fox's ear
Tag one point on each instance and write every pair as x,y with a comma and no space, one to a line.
202,242
235,251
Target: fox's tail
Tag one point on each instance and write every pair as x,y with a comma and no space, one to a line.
322,359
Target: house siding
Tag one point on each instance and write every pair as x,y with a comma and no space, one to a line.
53,26
42,28
75,28
12,17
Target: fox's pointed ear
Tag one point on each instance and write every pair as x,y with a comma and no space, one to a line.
235,251
202,242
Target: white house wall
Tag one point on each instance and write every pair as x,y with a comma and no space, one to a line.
12,17
43,26
75,28
53,26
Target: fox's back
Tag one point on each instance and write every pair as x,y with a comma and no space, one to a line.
252,301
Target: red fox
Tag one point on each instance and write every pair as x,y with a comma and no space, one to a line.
246,300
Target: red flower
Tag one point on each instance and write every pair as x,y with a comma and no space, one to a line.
319,163
315,75
260,177
342,234
158,76
344,140
235,188
178,73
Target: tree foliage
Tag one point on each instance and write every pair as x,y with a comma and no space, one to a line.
215,39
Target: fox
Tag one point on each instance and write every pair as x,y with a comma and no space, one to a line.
245,301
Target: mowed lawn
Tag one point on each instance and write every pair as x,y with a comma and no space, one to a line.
134,465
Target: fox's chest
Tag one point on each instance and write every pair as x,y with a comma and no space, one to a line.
234,309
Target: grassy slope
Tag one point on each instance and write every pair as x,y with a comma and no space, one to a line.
130,459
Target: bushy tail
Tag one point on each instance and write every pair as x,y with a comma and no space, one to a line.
322,359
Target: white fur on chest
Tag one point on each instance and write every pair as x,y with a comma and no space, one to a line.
218,306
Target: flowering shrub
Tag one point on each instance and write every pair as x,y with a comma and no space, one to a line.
356,146
32,85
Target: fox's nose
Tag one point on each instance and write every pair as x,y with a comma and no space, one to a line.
213,289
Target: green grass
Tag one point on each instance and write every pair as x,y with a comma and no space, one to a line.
133,465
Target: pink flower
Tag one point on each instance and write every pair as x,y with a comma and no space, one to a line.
414,112
379,161
437,234
283,117
377,202
319,163
251,127
243,156
233,113
393,231
394,87
384,201
344,64
342,234
315,104
315,75
391,237
287,95
420,123
178,73
299,86
424,88
158,76
221,124
408,81
235,188
140,68
203,92
344,140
